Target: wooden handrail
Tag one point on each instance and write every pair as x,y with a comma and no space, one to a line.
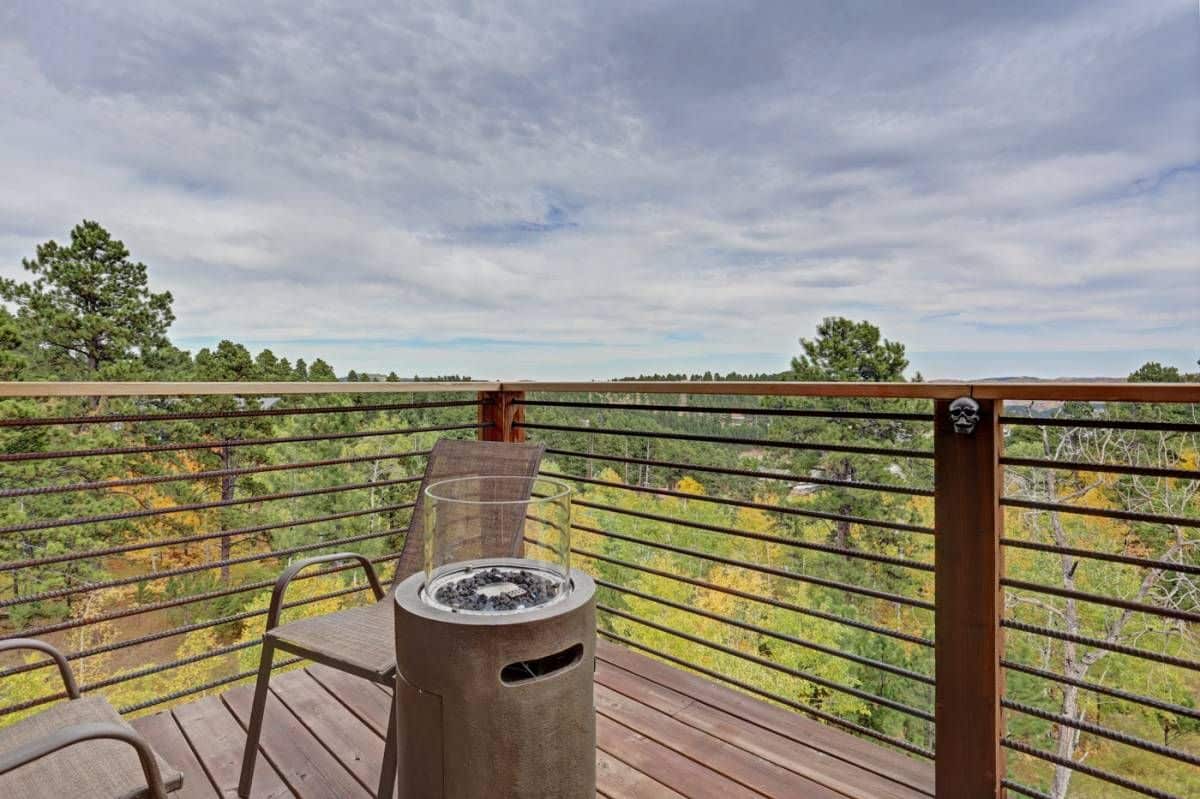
999,390
1049,390
180,389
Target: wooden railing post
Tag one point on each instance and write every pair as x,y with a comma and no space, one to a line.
499,411
968,523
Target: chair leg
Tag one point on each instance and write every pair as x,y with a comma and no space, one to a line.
387,775
250,755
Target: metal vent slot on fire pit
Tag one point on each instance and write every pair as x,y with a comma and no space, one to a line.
525,670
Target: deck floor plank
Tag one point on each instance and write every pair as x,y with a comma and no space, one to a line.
666,765
797,757
370,702
736,764
307,766
174,748
218,740
353,743
886,763
661,734
616,779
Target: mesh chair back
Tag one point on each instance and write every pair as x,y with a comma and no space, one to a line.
451,458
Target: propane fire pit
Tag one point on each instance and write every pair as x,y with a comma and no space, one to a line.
495,648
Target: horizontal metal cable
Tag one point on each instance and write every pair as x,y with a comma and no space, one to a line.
1103,732
762,569
757,475
190,599
194,506
773,539
779,603
759,411
190,539
215,564
205,475
112,418
205,686
899,743
754,442
11,457
1025,790
1091,554
148,671
1091,771
1123,515
741,503
1108,468
174,631
766,663
1099,599
1102,689
791,639
1099,643
1106,424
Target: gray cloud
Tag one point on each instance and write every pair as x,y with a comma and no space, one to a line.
633,173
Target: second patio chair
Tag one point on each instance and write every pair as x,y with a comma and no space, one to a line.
78,748
361,640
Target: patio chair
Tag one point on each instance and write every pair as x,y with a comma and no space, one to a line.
80,747
361,640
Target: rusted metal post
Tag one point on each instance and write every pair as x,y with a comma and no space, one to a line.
969,599
502,415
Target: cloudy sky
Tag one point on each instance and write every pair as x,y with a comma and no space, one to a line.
594,189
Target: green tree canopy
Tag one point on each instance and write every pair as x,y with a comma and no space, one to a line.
844,350
89,305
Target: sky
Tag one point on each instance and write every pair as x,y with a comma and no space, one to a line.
585,190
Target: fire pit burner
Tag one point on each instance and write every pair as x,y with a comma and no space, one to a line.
495,589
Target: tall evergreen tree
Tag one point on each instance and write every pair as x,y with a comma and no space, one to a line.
89,306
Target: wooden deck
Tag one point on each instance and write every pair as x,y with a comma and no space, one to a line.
660,733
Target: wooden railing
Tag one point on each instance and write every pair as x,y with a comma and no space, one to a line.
836,548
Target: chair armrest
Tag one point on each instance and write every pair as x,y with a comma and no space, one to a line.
291,571
78,733
64,668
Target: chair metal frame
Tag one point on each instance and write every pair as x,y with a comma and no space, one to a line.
78,733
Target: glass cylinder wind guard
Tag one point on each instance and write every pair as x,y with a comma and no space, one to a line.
496,544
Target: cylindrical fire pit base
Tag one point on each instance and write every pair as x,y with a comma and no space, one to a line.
496,705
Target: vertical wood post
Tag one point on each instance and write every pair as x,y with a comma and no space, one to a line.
969,600
499,411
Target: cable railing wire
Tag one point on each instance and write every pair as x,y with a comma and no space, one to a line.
763,569
18,457
161,543
779,603
189,599
1112,557
744,503
1105,424
1100,599
890,452
1104,513
1100,643
1102,731
195,506
184,629
915,491
1116,693
714,409
125,482
114,418
828,549
790,639
1091,771
58,593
